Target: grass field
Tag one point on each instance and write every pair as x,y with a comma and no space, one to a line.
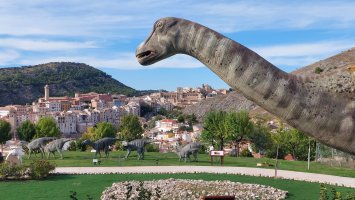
59,186
84,159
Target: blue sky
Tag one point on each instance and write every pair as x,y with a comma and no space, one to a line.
105,34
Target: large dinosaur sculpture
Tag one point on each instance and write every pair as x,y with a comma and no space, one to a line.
138,145
38,145
56,145
187,150
101,144
327,117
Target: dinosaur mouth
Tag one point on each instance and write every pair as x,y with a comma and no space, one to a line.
144,56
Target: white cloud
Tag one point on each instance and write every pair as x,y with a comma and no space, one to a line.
126,18
8,56
52,27
43,45
259,15
286,56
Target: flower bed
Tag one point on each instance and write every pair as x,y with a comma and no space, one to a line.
189,189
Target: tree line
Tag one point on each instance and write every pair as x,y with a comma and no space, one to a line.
130,128
221,128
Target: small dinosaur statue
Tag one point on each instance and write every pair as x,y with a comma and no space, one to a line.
38,145
56,145
328,117
138,145
187,150
101,144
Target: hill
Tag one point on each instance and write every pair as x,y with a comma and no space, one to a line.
335,74
21,85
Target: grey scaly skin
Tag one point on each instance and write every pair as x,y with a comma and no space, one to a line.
138,145
38,144
327,117
56,145
187,150
101,144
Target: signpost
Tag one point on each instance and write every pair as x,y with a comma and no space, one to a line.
217,154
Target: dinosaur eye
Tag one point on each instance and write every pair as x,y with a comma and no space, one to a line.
159,24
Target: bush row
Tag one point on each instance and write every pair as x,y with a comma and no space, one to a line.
38,169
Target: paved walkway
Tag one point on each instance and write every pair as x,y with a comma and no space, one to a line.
310,177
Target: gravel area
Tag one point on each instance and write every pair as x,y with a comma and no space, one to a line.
189,189
310,177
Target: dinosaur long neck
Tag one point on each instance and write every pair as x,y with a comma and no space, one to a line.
327,118
91,143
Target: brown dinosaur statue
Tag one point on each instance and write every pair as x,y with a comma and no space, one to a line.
328,117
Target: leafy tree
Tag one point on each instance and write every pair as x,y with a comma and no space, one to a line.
5,135
163,111
47,127
145,109
239,127
185,128
191,119
104,129
173,114
181,119
26,131
214,128
89,134
296,142
291,141
130,128
261,138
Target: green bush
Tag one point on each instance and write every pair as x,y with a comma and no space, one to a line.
11,171
79,146
72,146
39,169
246,153
318,70
118,145
152,148
333,194
202,150
271,153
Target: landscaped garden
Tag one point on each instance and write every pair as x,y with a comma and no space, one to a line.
116,158
62,186
92,186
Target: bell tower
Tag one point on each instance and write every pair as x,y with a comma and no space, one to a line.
46,92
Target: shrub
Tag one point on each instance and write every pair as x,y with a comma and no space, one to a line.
152,148
318,70
246,153
72,146
39,169
271,153
333,194
118,145
11,171
79,146
202,150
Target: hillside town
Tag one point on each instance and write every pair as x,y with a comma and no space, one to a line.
74,115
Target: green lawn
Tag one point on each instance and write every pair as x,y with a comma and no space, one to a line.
59,186
84,159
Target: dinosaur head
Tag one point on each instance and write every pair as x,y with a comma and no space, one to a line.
161,42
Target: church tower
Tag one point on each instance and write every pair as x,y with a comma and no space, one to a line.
46,93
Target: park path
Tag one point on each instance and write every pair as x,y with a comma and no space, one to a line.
303,176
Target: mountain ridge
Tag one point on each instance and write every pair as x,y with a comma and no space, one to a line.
23,85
